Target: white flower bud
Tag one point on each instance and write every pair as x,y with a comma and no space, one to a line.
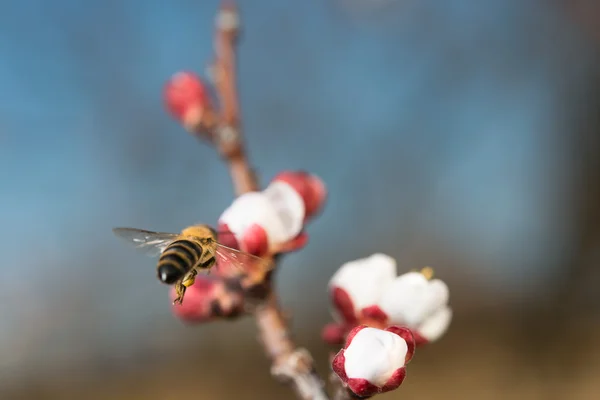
374,355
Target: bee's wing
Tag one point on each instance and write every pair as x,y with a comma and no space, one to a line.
239,259
148,242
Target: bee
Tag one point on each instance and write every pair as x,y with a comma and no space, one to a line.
183,255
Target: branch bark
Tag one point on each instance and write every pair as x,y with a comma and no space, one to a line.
290,364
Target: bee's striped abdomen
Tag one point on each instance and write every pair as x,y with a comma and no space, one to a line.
177,260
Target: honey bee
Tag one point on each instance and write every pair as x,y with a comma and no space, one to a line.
183,255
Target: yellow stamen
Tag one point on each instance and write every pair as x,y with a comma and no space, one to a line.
427,272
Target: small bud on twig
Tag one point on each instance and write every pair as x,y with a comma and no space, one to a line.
207,299
187,100
228,20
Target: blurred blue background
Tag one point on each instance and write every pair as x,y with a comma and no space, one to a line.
460,135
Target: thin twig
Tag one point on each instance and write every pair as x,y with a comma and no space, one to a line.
290,364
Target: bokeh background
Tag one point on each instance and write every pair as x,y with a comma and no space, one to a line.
461,135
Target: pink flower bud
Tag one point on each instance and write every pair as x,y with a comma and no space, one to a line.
309,187
373,360
186,98
205,300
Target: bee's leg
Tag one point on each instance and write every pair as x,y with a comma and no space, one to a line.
180,290
208,264
189,279
186,282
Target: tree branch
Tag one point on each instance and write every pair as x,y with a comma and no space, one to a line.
290,364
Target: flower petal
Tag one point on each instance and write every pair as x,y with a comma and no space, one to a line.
362,387
246,210
310,187
364,279
344,308
395,380
278,210
337,365
408,337
255,240
436,325
374,316
411,298
289,206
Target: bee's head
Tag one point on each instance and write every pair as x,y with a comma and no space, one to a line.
200,231
213,232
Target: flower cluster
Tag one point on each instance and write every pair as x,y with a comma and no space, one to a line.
268,222
368,293
272,221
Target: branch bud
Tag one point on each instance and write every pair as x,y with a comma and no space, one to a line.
187,100
208,299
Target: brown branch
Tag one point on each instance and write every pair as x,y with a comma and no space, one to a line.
228,135
290,364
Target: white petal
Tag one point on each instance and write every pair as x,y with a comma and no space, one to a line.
246,210
365,278
374,355
289,206
436,325
411,298
258,208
